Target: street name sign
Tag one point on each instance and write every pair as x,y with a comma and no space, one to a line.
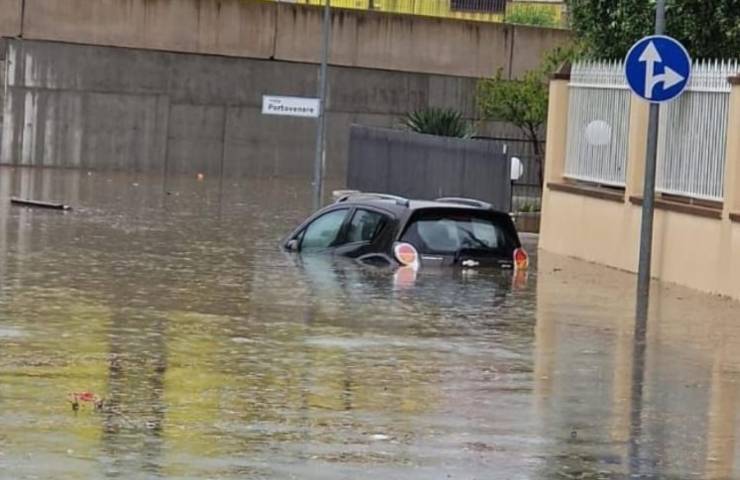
290,106
657,68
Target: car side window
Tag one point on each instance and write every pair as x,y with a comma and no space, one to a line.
322,233
364,226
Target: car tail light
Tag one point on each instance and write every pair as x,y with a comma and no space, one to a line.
521,259
406,254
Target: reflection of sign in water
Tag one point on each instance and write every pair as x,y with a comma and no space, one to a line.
290,106
658,68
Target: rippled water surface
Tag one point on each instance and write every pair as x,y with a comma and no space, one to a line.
219,356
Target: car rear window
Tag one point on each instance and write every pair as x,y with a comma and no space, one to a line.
448,231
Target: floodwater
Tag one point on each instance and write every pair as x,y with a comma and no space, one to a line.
220,357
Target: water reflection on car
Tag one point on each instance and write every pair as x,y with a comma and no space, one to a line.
338,284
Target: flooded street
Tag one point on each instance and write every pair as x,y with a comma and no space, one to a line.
220,357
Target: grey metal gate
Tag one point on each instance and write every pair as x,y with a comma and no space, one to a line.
427,166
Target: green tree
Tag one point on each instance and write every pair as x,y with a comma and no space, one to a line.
537,15
708,28
523,102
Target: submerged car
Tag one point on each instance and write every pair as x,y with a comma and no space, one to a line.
381,229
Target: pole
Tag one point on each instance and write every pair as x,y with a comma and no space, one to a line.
320,159
648,200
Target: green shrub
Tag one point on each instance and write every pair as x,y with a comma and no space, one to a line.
537,15
529,207
445,122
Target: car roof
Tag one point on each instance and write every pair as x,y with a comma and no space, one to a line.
402,205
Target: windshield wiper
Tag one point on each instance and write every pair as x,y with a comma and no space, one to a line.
471,236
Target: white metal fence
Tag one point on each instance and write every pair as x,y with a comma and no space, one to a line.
693,133
598,123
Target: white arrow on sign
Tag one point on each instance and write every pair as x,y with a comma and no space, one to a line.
669,78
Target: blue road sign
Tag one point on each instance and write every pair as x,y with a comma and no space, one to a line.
657,68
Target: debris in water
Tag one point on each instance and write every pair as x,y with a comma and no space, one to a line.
76,398
480,447
200,176
39,204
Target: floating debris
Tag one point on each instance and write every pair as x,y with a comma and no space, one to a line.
78,398
39,204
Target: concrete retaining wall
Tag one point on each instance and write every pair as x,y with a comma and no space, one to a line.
102,107
134,103
3,50
10,18
282,31
397,42
226,27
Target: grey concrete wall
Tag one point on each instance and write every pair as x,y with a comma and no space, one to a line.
10,18
529,44
283,31
397,42
427,166
84,106
226,27
3,65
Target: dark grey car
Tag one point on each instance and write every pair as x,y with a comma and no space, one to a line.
388,230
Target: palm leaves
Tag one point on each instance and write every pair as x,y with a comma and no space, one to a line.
445,122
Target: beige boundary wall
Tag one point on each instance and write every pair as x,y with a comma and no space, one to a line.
284,31
693,245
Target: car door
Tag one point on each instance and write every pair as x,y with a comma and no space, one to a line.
363,230
324,233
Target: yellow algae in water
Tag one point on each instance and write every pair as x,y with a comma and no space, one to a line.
196,383
64,349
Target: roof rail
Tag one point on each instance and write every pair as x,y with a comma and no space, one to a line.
380,196
470,202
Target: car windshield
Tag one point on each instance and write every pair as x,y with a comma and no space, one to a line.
445,232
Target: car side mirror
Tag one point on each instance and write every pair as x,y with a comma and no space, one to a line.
292,245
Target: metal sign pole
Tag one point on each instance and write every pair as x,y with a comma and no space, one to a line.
320,159
648,198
